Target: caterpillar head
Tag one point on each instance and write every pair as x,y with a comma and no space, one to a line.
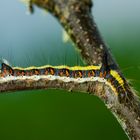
5,68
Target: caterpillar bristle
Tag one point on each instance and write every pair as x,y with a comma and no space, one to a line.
3,60
29,5
127,68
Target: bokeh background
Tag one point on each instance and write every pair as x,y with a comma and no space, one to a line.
37,39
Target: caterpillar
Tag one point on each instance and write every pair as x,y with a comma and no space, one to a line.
78,74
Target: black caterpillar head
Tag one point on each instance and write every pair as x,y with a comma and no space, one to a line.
6,70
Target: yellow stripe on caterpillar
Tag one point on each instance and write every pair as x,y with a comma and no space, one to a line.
116,75
61,67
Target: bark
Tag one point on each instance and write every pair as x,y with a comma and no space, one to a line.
75,16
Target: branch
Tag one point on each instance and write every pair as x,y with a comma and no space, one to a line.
75,16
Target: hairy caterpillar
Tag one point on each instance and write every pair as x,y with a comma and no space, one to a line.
78,74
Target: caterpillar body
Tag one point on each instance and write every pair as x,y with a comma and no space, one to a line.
64,73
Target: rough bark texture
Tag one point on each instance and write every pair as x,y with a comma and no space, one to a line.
75,16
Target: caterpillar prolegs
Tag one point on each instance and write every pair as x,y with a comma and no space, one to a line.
77,74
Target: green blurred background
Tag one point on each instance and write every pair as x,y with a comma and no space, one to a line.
37,40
